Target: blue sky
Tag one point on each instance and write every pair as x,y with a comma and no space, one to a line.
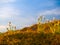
24,13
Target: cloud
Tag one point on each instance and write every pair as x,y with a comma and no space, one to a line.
2,28
51,12
8,11
7,1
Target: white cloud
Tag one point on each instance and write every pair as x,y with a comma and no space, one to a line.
7,1
51,12
2,28
8,11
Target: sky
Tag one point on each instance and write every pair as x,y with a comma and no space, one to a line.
23,13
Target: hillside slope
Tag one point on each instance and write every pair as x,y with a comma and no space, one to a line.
30,36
